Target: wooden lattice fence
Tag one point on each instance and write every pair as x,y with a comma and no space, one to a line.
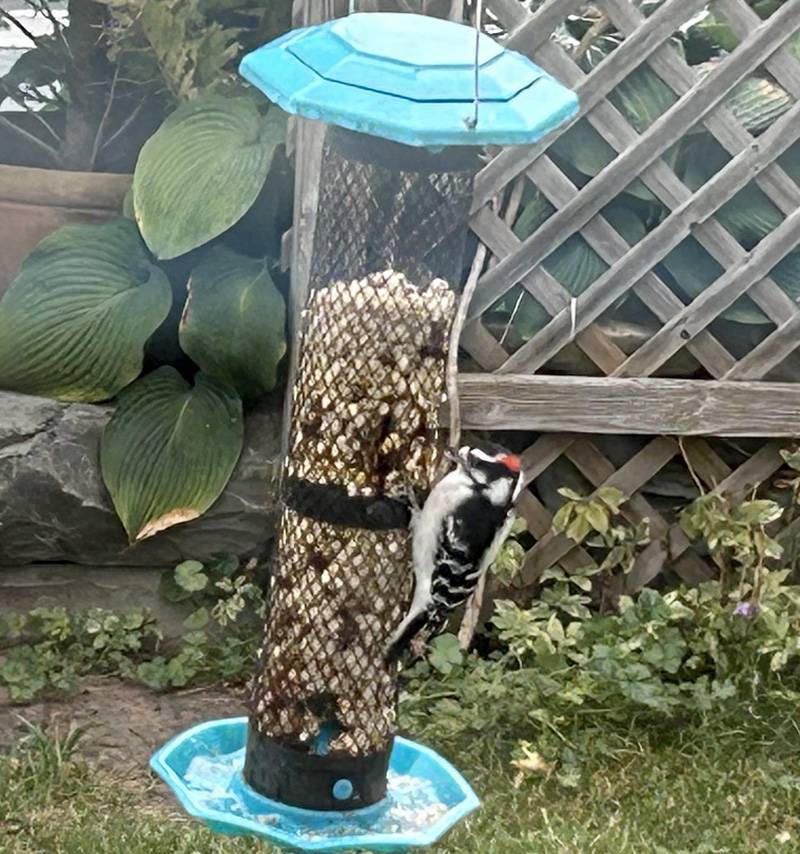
636,322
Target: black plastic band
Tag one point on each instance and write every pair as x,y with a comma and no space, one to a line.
330,503
309,781
397,157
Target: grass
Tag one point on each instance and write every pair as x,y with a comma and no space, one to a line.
730,785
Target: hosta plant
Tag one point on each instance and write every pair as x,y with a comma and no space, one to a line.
78,322
88,93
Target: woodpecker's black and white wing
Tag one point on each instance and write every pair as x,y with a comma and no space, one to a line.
451,552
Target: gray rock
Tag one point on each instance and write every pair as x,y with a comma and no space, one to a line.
54,507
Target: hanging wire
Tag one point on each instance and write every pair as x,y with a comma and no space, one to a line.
472,121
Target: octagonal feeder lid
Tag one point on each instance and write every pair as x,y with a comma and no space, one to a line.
411,79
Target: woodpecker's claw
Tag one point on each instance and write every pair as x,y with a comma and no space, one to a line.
410,494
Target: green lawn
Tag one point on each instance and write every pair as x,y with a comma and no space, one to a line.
729,785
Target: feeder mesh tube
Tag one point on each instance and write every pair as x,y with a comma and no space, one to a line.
369,387
383,205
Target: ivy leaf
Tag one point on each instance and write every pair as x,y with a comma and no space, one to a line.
579,527
612,497
555,629
597,517
563,517
760,512
581,582
222,565
189,576
197,619
170,590
445,653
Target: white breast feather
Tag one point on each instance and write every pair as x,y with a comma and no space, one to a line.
428,525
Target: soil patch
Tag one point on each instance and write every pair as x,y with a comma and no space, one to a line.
126,722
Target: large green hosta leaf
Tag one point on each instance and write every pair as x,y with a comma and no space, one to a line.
642,98
535,211
574,264
169,450
202,170
74,323
693,270
757,102
233,322
749,215
787,275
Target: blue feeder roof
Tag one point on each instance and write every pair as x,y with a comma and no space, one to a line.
411,79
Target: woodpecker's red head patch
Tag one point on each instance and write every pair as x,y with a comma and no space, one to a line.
512,462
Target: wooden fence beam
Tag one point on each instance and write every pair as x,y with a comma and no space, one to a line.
650,406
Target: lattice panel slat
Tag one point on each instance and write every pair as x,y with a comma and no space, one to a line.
676,332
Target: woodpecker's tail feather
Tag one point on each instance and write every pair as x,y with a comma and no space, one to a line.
404,635
430,622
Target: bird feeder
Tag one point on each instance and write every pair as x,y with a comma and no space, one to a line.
405,122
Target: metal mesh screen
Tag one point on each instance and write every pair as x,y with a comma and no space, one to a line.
390,206
370,383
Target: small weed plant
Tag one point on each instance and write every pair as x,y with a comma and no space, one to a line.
49,649
567,672
561,676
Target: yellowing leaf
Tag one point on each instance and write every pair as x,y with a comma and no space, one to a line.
532,762
169,450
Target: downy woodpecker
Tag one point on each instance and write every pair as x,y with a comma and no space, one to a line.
456,537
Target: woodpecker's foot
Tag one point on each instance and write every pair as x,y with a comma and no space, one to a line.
413,498
418,647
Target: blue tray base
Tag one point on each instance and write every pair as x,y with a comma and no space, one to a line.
204,767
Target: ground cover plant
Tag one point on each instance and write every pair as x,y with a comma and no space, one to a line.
587,720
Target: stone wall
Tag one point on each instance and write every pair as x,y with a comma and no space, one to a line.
54,508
